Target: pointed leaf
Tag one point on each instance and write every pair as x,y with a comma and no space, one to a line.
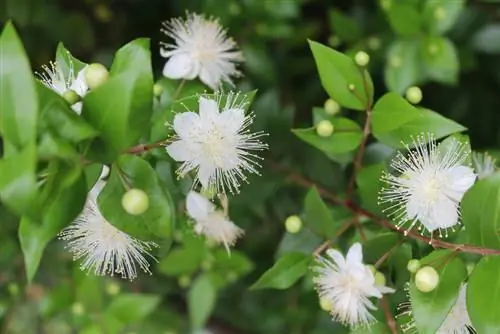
201,301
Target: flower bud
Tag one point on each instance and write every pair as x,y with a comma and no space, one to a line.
293,224
112,288
331,107
351,87
207,265
413,265
426,279
439,13
362,58
77,309
334,41
414,94
184,281
71,96
372,268
157,90
324,128
374,43
325,304
95,75
380,279
135,202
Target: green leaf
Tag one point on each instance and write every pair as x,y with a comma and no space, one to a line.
182,261
19,103
404,19
375,248
201,301
369,184
483,295
395,120
304,241
285,272
403,68
121,108
344,26
34,236
134,172
237,262
337,72
439,16
440,60
485,39
66,61
376,328
480,211
318,216
131,308
346,137
430,309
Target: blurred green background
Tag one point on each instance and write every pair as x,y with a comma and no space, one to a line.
273,36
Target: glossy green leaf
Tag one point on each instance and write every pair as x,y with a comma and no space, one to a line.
182,261
304,241
403,68
439,16
404,19
131,308
369,184
483,295
67,62
344,26
430,309
134,172
201,301
480,208
236,263
375,248
317,215
18,102
485,39
285,272
337,72
376,328
440,60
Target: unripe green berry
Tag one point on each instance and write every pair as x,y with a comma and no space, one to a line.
385,4
112,288
293,224
351,87
334,41
77,309
374,43
439,13
71,96
331,107
413,265
95,75
184,281
135,202
324,128
13,289
325,304
426,279
380,279
414,94
207,265
157,90
372,268
362,58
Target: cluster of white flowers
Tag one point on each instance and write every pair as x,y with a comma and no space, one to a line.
348,284
456,322
430,184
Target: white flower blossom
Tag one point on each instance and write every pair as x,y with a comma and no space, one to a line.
202,49
456,322
103,248
484,165
348,285
430,184
216,143
211,223
53,77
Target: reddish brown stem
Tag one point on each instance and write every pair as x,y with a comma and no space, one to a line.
391,323
141,148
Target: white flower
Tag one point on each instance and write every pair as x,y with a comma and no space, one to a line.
216,143
53,77
456,322
348,284
430,186
202,49
483,164
104,248
213,224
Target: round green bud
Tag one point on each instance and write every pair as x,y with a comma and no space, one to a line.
207,265
157,90
351,87
385,4
426,279
331,107
13,289
77,309
184,281
135,201
71,96
334,41
380,279
413,265
362,58
324,128
372,268
95,75
293,224
414,94
439,13
325,304
374,43
234,9
433,48
112,288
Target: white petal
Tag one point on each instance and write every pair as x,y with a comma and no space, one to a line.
186,124
180,66
198,207
337,257
384,289
77,107
232,119
413,206
179,151
209,112
355,254
79,85
443,214
208,78
461,178
205,174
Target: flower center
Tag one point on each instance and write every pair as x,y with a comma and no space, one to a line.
432,188
213,147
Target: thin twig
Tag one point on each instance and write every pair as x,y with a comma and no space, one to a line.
327,243
388,315
386,255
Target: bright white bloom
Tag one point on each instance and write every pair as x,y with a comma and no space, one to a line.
430,184
53,77
348,284
202,49
484,165
104,248
457,321
213,224
216,143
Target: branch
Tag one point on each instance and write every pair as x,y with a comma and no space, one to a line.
388,315
436,243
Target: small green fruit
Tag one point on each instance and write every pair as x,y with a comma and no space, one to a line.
184,281
325,304
426,279
324,128
112,289
157,90
77,309
293,224
362,58
135,202
413,265
71,96
380,279
372,268
414,94
95,75
331,107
